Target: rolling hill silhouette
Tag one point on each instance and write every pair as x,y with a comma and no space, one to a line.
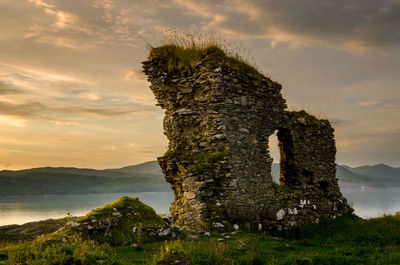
147,177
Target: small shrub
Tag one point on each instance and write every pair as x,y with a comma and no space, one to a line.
69,216
169,253
73,251
204,253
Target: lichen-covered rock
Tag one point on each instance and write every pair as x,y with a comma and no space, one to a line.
122,222
219,113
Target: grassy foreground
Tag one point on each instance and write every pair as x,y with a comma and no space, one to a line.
345,240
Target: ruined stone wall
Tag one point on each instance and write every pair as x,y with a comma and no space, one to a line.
218,119
308,170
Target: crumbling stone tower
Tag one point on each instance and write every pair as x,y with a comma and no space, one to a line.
219,113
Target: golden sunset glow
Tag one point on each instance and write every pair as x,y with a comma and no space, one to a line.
72,92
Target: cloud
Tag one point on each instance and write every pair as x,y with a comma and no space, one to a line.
58,27
380,103
21,110
22,85
90,95
99,112
71,62
138,148
8,89
135,75
368,103
12,121
37,110
355,24
87,24
68,100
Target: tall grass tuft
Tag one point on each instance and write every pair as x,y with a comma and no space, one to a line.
184,49
204,40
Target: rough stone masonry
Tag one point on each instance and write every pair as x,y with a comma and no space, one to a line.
218,119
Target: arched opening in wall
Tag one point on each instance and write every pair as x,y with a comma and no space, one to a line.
289,172
274,151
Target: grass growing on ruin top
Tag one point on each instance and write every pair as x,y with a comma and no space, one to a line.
182,51
303,116
180,59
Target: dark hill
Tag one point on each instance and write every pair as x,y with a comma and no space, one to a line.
386,175
64,180
147,177
377,176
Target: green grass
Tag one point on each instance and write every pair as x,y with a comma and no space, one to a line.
41,252
344,240
126,205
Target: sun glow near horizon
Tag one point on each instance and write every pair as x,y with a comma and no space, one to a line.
72,92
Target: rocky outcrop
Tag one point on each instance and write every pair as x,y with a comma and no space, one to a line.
125,221
219,113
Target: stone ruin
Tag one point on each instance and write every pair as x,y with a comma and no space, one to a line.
219,114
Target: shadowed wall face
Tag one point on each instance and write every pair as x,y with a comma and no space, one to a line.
307,148
308,168
218,117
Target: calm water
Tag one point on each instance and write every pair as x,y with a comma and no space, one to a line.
373,202
22,209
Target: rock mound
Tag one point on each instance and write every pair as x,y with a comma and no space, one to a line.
125,221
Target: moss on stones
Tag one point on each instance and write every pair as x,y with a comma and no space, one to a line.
203,159
178,59
122,222
170,153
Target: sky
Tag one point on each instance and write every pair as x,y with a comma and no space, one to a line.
72,92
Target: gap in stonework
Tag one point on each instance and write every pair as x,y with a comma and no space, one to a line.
275,154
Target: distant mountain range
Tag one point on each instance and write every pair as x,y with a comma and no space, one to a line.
147,177
378,176
67,180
